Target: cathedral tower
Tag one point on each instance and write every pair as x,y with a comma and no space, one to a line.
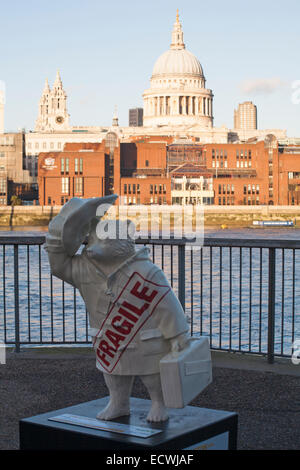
53,115
178,95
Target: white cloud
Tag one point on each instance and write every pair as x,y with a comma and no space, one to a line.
262,85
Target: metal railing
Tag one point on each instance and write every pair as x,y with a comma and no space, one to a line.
241,293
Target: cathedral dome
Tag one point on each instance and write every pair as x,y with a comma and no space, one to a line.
177,62
177,95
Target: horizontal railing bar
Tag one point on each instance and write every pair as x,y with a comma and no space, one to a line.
207,241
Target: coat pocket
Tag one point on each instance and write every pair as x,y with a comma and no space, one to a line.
153,342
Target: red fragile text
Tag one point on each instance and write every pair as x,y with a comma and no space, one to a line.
129,313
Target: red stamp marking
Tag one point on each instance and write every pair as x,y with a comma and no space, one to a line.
134,306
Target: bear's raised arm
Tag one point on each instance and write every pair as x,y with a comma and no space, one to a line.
61,263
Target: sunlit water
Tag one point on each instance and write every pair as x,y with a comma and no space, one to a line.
231,308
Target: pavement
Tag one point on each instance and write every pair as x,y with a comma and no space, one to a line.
265,396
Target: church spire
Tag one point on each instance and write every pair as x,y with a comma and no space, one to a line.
115,120
177,34
58,82
46,87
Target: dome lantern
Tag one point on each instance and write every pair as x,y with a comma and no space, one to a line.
177,35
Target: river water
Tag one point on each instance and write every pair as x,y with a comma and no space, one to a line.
226,293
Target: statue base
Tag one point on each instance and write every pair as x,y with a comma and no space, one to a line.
72,429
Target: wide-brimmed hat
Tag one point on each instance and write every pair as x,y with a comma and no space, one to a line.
78,213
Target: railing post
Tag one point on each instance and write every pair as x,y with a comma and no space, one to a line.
16,287
271,306
181,275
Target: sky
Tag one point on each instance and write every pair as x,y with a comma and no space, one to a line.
105,52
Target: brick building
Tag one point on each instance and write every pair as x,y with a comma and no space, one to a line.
80,170
173,171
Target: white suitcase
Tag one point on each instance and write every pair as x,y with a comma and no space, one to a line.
186,373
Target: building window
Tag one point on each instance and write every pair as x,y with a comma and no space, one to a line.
125,188
44,145
133,188
78,186
67,166
138,189
2,186
81,166
147,162
62,165
129,190
151,188
52,145
49,201
76,166
65,185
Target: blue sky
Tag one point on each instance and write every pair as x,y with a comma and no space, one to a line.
106,51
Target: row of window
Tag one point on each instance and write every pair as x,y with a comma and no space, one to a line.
229,201
226,188
135,189
78,185
43,145
239,164
240,154
293,174
7,140
251,201
244,164
129,200
251,189
2,186
65,166
131,188
226,201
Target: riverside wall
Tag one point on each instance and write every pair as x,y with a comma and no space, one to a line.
232,216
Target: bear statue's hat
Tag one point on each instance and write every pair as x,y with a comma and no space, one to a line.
74,219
